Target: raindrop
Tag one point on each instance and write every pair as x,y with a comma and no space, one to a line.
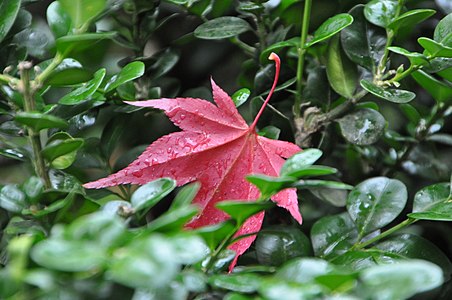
137,173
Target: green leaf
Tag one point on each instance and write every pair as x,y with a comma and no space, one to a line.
443,31
83,93
269,185
381,12
310,184
166,60
304,270
270,132
360,260
441,138
416,59
58,19
393,95
276,245
333,235
130,72
329,28
363,43
242,210
411,18
103,229
362,127
146,263
293,42
299,161
186,195
173,220
39,121
401,280
431,195
221,28
435,49
82,12
33,188
70,44
148,195
59,148
12,199
413,246
441,91
188,248
68,256
243,283
68,72
272,289
117,207
240,96
341,72
213,235
375,203
8,13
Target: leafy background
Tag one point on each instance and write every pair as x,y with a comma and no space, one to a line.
371,88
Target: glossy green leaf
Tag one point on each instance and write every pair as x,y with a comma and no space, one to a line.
413,246
401,280
144,263
329,28
392,95
341,72
186,195
84,92
240,96
243,283
381,12
299,161
411,18
68,72
312,184
74,43
39,121
188,249
103,229
269,185
68,256
222,27
304,270
416,59
173,220
358,260
443,31
362,127
117,207
333,235
60,147
273,288
441,91
363,43
13,154
148,195
33,188
130,72
270,132
442,138
431,195
8,13
213,235
242,210
441,211
166,60
58,19
435,49
276,245
82,12
375,203
293,42
12,199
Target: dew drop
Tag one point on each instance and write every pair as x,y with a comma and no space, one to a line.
137,173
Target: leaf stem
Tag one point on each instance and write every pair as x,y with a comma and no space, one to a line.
384,234
275,57
41,78
224,243
34,138
301,55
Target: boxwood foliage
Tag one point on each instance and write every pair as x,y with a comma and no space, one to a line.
365,90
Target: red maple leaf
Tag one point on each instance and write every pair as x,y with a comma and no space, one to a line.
216,148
